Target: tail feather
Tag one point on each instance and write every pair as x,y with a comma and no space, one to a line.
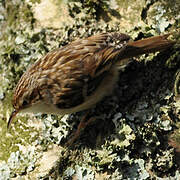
148,45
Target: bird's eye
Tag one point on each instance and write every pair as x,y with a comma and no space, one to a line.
25,102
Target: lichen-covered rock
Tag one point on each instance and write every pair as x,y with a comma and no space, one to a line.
136,132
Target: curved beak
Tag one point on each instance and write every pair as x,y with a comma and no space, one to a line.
13,115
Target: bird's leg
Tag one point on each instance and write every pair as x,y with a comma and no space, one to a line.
82,125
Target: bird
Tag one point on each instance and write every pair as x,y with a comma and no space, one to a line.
78,75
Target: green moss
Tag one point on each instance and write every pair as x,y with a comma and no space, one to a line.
14,43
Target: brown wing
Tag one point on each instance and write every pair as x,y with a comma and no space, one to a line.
65,77
70,74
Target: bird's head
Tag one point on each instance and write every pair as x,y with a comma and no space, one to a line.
25,95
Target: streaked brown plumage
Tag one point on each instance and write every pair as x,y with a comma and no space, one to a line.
78,75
